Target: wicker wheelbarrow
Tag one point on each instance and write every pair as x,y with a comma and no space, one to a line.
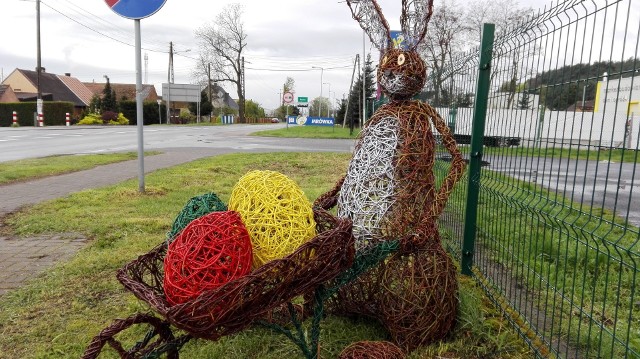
248,300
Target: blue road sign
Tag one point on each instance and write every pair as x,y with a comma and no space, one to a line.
399,41
311,121
135,9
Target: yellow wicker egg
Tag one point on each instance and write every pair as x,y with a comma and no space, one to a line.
275,211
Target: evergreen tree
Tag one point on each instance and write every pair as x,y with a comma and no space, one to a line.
355,97
109,98
341,110
95,106
205,105
523,103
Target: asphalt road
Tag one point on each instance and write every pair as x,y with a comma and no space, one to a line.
30,142
614,186
599,183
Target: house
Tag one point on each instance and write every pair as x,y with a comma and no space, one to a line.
7,94
22,86
125,92
52,87
221,98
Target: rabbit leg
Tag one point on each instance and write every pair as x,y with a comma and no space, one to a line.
418,297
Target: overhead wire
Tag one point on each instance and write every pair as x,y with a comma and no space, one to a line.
96,31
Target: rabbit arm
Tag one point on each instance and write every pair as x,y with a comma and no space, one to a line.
414,19
457,163
329,199
369,16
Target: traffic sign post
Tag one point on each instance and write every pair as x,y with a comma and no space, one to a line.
287,97
136,10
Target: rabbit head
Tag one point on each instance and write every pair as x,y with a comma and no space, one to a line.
401,73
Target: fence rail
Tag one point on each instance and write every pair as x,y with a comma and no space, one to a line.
556,238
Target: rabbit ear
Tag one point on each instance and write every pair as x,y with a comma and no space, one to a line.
414,19
369,16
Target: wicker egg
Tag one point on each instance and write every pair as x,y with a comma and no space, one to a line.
195,208
275,211
211,251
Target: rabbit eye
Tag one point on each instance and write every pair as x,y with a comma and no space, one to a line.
401,59
384,60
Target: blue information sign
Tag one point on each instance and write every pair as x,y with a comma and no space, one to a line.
399,40
135,9
311,121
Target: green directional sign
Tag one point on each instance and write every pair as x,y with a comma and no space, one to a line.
303,99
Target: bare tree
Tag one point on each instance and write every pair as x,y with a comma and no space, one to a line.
512,46
445,37
222,44
288,86
504,14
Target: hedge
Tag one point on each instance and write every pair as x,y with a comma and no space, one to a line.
149,112
54,113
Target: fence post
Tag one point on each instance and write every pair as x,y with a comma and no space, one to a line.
475,155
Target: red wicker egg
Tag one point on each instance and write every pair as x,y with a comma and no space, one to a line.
211,251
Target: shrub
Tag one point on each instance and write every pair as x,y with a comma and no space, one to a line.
186,116
109,116
111,119
91,119
121,120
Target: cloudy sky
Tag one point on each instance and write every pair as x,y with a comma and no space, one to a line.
285,38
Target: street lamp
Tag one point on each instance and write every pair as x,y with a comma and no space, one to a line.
319,102
159,112
328,83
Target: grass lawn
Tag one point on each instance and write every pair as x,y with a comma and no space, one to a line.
57,314
612,155
310,132
580,263
29,169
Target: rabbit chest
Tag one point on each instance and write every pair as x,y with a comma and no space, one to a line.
389,184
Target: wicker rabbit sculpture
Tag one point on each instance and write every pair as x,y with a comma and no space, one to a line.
389,192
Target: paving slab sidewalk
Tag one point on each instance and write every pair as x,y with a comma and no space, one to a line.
24,258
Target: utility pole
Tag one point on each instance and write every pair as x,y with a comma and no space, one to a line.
39,62
320,100
244,94
146,68
170,81
209,85
364,82
329,106
356,62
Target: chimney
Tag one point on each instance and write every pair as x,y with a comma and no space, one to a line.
68,74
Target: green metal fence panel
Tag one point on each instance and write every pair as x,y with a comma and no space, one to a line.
475,153
558,216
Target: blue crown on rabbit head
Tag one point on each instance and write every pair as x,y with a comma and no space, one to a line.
401,73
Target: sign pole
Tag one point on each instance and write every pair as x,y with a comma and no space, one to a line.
136,10
139,114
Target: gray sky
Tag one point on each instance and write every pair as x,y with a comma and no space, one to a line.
285,38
